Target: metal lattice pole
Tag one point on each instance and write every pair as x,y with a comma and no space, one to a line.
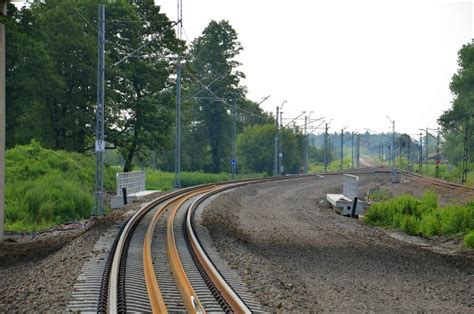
393,152
100,138
358,151
426,151
352,150
342,150
280,146
326,155
306,144
420,159
438,160
466,152
177,151
409,155
234,139
275,161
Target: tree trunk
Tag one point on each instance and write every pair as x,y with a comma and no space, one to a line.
131,152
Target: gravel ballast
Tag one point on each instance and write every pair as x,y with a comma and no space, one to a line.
290,248
39,275
296,254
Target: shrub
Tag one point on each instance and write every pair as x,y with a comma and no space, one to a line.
422,216
46,187
469,240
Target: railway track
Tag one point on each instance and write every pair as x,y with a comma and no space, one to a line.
159,264
437,182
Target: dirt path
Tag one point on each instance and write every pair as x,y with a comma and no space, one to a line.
296,254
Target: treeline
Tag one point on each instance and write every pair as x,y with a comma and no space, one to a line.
457,122
51,88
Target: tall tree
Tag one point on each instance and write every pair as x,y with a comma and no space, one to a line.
52,64
143,109
213,59
455,119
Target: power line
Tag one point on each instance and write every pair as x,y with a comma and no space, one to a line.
147,43
221,100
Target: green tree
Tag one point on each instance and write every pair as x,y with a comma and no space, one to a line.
52,64
453,120
255,148
213,60
142,112
292,149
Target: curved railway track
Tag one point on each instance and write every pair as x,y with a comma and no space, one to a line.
158,263
438,182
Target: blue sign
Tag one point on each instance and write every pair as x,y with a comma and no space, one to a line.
233,162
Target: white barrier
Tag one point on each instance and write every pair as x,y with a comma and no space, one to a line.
350,190
134,183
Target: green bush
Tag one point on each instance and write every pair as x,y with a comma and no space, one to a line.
46,187
422,216
469,240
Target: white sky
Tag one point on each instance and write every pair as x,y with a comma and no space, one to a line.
351,61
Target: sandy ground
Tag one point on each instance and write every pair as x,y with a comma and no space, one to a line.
296,254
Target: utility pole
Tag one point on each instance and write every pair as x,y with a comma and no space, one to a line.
342,149
420,159
390,154
358,151
3,12
426,151
382,145
280,152
394,163
326,147
306,143
277,135
100,137
409,155
234,139
352,150
438,160
177,147
466,152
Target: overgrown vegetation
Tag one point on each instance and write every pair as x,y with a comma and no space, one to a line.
46,187
424,216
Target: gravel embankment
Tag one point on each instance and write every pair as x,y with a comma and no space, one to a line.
296,254
39,275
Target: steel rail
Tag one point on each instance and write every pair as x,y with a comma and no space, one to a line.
118,261
439,182
124,236
232,299
154,293
190,299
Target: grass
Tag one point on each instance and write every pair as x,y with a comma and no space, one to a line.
424,217
333,166
45,187
446,172
160,180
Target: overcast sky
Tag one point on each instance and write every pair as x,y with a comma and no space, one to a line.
351,61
